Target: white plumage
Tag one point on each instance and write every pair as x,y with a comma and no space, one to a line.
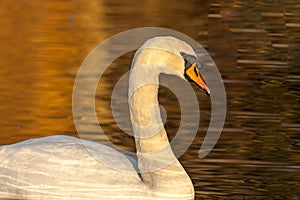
63,167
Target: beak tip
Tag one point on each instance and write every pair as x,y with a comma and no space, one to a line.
207,90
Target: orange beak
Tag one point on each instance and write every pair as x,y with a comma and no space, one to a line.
193,75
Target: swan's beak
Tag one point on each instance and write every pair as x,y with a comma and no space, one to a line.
193,74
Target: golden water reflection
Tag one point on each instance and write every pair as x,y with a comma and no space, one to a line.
255,45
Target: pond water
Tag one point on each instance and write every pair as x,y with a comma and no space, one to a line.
255,45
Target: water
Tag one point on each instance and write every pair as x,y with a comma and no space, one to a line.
254,43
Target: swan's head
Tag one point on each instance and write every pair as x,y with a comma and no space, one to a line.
176,57
192,67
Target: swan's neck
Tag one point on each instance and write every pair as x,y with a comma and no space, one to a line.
157,163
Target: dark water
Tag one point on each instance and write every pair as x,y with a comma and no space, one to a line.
254,43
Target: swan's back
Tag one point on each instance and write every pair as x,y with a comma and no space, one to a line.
60,167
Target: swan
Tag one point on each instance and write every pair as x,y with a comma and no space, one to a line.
60,167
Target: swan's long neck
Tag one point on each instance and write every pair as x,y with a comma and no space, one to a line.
159,168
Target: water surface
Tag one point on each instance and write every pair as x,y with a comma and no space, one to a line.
254,43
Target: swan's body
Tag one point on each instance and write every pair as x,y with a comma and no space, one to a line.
61,167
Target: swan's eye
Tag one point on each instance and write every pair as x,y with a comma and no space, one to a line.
190,60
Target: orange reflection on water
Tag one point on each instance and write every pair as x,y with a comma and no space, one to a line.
42,46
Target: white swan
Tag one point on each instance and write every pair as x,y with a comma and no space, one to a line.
59,167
